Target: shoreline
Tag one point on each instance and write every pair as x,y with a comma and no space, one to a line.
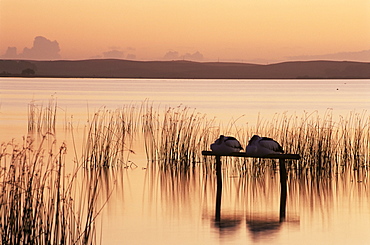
114,68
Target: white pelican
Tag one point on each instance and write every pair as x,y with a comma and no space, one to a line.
261,146
226,145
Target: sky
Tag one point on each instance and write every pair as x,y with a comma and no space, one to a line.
202,30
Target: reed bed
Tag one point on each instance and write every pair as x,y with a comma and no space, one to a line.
325,145
176,137
110,136
39,203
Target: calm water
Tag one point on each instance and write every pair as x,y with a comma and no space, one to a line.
151,207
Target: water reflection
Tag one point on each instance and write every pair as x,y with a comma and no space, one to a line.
222,206
260,226
228,225
231,204
256,207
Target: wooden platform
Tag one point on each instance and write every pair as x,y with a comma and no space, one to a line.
244,154
282,170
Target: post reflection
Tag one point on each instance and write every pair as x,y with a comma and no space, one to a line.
259,225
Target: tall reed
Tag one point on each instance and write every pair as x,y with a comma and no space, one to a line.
42,119
176,137
325,145
110,135
37,203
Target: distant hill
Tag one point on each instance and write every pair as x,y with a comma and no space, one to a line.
111,68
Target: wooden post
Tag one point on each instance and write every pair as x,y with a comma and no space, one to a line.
283,189
219,189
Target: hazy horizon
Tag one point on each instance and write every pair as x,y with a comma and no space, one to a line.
239,31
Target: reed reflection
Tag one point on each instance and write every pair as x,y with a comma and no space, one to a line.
176,192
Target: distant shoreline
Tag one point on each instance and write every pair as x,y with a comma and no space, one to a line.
174,78
112,68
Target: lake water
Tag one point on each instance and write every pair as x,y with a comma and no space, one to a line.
148,206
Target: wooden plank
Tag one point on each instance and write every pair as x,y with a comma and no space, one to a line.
244,154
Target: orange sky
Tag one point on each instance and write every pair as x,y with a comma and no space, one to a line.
240,30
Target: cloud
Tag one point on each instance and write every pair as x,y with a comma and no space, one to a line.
174,55
10,53
196,56
116,54
42,48
171,55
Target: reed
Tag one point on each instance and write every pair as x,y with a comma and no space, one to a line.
176,138
109,139
38,201
42,119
